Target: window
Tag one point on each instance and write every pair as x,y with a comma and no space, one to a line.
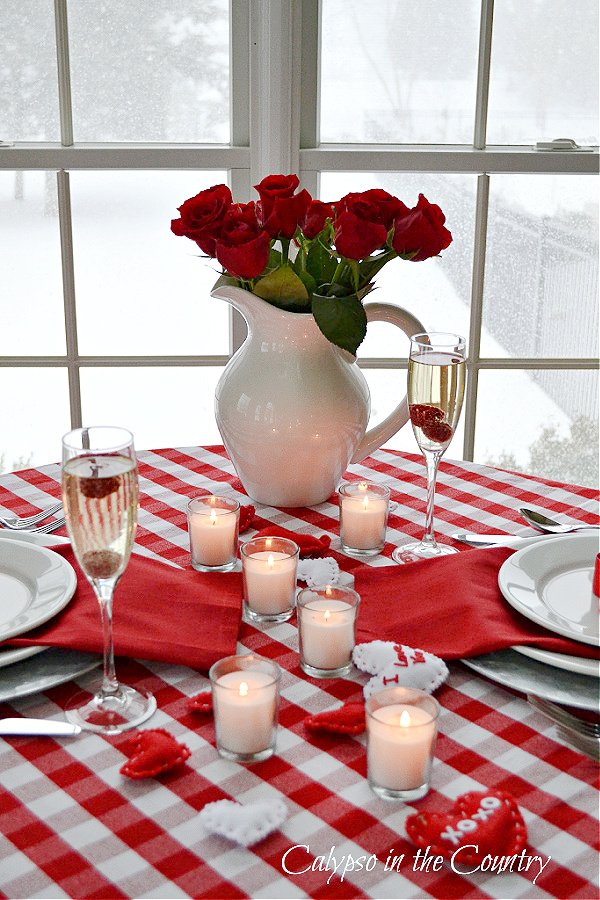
111,116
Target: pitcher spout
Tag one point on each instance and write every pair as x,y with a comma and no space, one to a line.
248,304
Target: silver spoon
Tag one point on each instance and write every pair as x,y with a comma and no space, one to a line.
549,526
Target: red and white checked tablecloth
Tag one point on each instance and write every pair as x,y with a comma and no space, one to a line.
72,826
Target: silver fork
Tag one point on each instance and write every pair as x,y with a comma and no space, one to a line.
18,522
563,717
46,528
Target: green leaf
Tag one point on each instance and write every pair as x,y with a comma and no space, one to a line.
284,289
342,320
320,263
274,260
306,278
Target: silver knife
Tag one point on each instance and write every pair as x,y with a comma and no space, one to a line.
497,540
48,727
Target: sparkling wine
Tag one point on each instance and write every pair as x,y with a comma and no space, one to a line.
436,384
100,497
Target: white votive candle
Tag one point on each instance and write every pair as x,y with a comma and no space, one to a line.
245,702
269,568
401,738
363,516
213,528
326,620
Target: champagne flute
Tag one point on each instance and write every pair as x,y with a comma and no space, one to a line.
436,384
100,498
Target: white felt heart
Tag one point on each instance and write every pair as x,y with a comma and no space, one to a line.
244,824
374,656
318,571
397,664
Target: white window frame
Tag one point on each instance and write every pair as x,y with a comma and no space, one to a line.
274,128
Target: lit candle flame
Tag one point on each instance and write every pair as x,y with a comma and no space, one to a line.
366,503
326,615
213,517
244,689
404,718
270,561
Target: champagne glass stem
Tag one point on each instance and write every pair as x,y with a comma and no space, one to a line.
104,593
432,459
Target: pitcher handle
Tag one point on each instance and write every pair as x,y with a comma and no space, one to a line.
379,434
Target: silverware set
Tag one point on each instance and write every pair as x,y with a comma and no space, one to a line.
541,523
36,523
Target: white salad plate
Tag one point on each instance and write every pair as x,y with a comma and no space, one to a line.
16,654
35,584
580,664
550,582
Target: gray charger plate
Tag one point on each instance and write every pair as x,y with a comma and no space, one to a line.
46,670
529,676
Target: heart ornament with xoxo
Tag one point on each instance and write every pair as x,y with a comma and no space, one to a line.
481,822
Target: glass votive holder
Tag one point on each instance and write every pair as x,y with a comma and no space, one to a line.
326,624
245,692
213,526
364,510
269,567
401,733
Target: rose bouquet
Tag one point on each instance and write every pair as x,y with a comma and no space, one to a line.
305,255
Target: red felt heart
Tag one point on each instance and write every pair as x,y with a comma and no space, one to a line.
348,719
246,516
308,544
152,752
201,702
484,822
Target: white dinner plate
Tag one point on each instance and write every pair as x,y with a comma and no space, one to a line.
32,537
580,664
550,582
35,584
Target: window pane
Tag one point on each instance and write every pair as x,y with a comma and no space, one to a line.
437,291
140,289
150,71
541,422
28,80
398,72
163,407
30,267
544,72
36,404
387,387
541,279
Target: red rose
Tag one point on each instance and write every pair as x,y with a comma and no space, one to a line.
243,246
357,238
375,205
274,187
422,230
201,217
284,215
315,218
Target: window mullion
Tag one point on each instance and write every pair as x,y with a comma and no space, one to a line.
68,276
479,247
64,72
483,73
275,32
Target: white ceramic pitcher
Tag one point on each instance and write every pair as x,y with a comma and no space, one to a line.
293,408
